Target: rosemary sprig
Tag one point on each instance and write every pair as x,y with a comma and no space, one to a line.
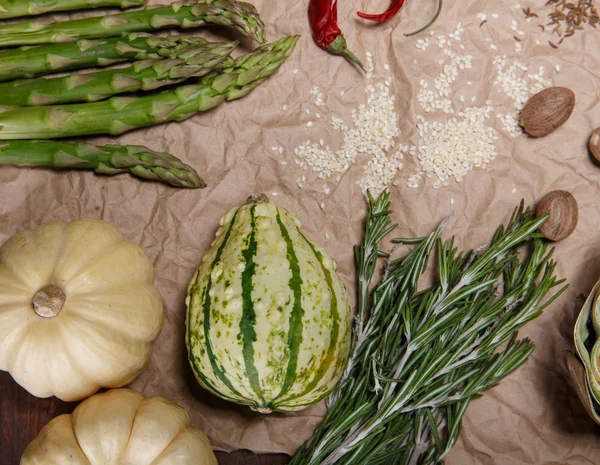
420,356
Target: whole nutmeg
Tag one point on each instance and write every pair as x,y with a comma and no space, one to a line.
594,144
563,214
547,110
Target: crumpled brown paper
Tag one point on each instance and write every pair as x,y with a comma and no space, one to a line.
533,416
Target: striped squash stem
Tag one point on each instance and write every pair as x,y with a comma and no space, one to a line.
420,356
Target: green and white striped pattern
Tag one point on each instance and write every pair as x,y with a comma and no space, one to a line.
268,321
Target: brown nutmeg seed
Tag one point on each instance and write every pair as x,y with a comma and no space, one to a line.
547,110
563,214
594,144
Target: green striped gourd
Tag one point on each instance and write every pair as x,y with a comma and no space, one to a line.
268,320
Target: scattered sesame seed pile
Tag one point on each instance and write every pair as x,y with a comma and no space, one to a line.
451,148
439,98
373,132
454,148
454,135
513,83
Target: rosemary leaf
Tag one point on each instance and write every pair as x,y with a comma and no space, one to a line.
420,356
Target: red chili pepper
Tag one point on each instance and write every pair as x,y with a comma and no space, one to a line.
392,11
322,15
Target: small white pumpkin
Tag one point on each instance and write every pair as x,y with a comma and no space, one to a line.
121,427
78,309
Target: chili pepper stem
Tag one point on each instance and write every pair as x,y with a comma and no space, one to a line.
339,47
437,14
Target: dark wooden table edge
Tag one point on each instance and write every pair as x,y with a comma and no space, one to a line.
22,416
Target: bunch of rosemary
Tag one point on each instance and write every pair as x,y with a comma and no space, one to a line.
420,356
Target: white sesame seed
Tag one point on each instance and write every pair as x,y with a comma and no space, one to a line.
284,107
451,201
294,71
326,235
283,162
274,194
309,124
454,148
514,191
515,87
373,132
558,68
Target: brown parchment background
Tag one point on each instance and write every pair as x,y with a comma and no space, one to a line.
533,416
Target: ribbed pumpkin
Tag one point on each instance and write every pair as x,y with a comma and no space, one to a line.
121,427
268,321
78,309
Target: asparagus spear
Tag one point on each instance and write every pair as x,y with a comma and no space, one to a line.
16,8
120,114
237,15
109,159
141,75
45,59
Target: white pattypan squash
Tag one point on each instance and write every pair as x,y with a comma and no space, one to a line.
121,427
78,309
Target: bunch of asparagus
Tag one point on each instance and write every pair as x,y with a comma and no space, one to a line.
90,103
109,159
16,8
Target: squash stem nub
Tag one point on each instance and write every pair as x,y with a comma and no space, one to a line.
48,301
